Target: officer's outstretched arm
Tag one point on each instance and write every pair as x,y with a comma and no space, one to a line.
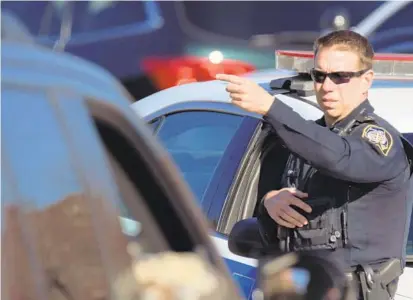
370,154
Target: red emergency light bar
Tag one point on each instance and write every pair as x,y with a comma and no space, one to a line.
384,64
166,72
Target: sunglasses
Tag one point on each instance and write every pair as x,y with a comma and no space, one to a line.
336,77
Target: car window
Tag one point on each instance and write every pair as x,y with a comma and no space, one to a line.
399,20
197,141
267,17
152,196
396,33
54,243
89,17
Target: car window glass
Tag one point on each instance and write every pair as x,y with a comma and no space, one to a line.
89,17
265,17
53,248
395,34
197,141
399,20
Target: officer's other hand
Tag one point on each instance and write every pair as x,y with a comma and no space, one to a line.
278,204
247,94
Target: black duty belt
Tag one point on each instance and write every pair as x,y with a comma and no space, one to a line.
378,284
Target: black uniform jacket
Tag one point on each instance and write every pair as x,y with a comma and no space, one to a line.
372,161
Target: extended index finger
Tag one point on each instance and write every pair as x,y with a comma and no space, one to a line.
229,78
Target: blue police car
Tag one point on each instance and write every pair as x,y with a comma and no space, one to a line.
225,154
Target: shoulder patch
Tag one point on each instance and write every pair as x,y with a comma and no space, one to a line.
379,137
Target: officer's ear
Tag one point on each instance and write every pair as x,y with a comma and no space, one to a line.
367,80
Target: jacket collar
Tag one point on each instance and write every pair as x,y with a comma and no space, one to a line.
364,106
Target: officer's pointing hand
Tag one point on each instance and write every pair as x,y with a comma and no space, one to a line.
278,204
247,94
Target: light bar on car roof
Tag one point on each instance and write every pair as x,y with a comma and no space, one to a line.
384,65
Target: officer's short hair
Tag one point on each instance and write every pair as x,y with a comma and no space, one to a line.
350,41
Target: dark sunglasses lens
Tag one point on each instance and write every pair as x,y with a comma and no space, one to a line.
318,76
340,77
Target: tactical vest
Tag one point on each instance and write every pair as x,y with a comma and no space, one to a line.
327,223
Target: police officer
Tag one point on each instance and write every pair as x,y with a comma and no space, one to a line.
346,182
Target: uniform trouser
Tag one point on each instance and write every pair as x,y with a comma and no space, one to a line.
356,284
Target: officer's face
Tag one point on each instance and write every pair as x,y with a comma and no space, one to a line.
339,93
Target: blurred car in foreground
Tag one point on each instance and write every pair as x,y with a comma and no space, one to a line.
229,157
92,208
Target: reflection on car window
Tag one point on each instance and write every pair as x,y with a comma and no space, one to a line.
395,34
97,15
401,19
50,227
88,16
197,141
409,248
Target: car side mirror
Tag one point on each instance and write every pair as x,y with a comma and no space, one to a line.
245,239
